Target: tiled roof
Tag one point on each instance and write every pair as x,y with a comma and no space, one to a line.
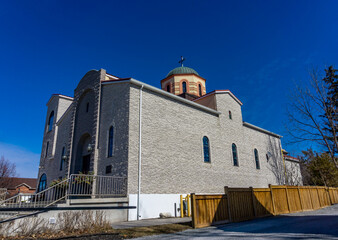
14,182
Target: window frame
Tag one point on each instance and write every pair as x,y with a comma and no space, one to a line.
50,121
184,87
258,165
62,160
110,146
44,181
47,148
234,151
206,149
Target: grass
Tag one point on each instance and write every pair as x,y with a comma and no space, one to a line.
105,232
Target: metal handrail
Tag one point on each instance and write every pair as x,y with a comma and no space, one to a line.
77,185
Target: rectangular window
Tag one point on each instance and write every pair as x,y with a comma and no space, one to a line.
108,169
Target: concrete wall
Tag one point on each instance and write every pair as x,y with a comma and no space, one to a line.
151,205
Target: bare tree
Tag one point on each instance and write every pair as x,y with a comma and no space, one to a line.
275,161
7,171
285,172
310,116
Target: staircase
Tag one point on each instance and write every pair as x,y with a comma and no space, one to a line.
76,186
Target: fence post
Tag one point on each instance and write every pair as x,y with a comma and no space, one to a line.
226,191
328,193
188,203
253,202
310,192
320,203
300,199
287,198
272,201
181,207
193,212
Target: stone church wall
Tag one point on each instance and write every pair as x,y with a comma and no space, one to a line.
172,149
114,112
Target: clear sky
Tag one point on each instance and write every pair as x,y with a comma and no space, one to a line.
256,49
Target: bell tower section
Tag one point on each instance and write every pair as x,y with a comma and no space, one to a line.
184,82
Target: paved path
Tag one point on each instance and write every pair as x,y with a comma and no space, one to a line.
150,222
320,224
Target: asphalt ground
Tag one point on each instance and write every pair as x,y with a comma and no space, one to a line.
319,224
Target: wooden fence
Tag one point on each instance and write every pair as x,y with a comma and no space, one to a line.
239,204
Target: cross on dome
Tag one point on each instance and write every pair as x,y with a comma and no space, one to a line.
181,61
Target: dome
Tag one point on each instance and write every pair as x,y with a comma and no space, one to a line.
182,70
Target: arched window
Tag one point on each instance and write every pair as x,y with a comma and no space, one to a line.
62,158
234,154
168,88
184,87
257,159
206,149
47,146
42,183
50,121
110,141
200,89
230,115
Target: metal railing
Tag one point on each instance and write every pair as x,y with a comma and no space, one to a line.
3,193
97,186
77,186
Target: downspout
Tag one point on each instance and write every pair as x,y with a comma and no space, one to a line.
139,154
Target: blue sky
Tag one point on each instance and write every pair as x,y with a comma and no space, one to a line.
256,49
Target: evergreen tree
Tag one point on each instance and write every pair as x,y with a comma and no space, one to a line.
331,107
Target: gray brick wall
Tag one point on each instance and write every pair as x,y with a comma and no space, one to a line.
114,112
172,150
172,132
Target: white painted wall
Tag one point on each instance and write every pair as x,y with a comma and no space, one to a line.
151,205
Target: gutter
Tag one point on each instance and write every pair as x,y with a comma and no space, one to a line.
139,154
249,125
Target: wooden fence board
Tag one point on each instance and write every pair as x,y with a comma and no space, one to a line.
306,198
295,205
280,200
239,204
263,203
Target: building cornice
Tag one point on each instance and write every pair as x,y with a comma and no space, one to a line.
249,125
182,74
60,96
164,93
220,92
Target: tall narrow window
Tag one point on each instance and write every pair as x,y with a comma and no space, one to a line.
47,146
257,159
267,157
230,116
42,183
206,149
87,107
168,88
200,89
110,141
50,121
234,154
184,87
62,158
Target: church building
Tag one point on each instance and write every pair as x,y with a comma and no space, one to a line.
167,141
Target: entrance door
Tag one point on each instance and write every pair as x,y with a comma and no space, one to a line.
85,164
